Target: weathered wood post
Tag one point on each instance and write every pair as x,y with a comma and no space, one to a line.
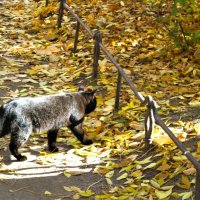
118,91
76,36
98,40
197,185
60,14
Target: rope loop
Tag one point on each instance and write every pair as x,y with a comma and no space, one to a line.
149,119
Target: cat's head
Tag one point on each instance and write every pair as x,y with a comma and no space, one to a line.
90,96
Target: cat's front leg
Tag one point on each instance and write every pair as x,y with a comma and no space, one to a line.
79,133
52,136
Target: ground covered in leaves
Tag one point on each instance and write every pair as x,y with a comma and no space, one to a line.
36,58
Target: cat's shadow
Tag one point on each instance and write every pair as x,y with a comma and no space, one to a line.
31,153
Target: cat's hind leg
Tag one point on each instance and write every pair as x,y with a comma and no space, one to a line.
52,136
76,128
80,134
18,138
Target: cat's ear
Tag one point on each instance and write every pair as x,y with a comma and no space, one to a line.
88,90
93,92
81,89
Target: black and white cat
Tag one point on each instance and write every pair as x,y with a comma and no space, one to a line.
22,116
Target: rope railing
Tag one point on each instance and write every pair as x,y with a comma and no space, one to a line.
151,116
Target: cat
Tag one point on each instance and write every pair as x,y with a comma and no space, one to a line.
24,115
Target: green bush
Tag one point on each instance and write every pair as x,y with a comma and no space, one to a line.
181,18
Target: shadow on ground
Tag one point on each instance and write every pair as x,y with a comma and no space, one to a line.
44,177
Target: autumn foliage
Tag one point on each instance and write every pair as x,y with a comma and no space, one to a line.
157,44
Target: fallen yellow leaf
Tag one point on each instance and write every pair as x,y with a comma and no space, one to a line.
123,176
163,194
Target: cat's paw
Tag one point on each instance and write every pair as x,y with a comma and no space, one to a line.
21,158
87,142
53,149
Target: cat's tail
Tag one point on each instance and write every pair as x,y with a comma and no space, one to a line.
3,122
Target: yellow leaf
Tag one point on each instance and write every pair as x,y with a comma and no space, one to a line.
43,153
68,189
145,161
72,189
91,18
186,195
163,194
136,125
175,195
110,102
190,171
123,176
42,52
124,164
194,103
185,181
133,144
139,136
160,181
179,158
167,187
109,181
53,49
104,196
107,110
31,71
164,167
109,174
61,140
100,100
131,105
54,58
163,139
76,196
122,3
47,193
67,174
137,174
86,193
154,184
150,166
105,81
68,45
197,128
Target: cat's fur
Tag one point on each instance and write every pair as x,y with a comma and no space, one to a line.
22,116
